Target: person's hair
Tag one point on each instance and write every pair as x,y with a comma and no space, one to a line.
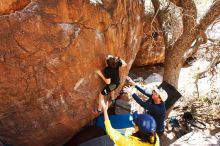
112,62
158,95
146,137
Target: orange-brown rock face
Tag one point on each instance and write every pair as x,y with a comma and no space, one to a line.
9,6
152,49
49,52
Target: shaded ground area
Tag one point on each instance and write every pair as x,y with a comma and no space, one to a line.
146,71
86,134
89,132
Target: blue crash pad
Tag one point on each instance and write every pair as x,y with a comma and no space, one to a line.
119,121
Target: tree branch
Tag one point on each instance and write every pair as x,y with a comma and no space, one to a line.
176,2
185,41
189,15
192,50
210,16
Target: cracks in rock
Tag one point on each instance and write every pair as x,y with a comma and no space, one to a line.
69,27
27,85
16,41
35,77
111,25
9,23
93,29
76,28
86,27
53,73
83,26
21,47
32,7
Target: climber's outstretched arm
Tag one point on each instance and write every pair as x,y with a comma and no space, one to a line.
107,81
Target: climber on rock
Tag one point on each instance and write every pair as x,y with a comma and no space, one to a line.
111,77
156,108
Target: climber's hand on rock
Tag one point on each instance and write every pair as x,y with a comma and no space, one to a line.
98,71
130,81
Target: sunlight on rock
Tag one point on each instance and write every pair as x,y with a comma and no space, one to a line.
96,2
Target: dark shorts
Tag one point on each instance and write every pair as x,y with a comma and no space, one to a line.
109,88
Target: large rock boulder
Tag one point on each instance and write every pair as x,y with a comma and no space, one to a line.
9,6
49,52
152,49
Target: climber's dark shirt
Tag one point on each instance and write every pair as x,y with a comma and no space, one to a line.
113,73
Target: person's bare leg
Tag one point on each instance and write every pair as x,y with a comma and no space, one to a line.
112,94
113,98
101,102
